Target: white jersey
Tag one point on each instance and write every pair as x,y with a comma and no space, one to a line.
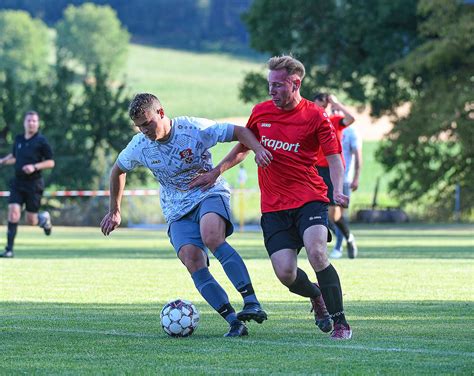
178,160
351,142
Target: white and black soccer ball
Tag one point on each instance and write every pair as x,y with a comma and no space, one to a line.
179,318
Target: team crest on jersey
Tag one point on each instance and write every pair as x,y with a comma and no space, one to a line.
187,155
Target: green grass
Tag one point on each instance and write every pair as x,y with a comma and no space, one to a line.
79,303
187,83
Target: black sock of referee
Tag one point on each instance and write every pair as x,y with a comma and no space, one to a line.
303,286
11,233
332,293
342,225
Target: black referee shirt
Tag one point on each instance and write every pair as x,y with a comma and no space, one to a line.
31,151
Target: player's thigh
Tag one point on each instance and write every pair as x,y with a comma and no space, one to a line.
183,232
315,242
14,212
193,257
335,213
212,228
31,218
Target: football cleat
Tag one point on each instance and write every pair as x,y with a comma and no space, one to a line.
44,221
336,253
321,314
351,247
252,311
237,329
341,331
8,253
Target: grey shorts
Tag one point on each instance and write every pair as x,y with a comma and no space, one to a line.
346,189
186,229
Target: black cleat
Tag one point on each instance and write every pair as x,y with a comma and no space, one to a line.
237,329
321,315
252,311
351,247
7,254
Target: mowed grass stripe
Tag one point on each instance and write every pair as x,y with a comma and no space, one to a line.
341,345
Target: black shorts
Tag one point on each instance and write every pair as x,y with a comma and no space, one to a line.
284,229
28,192
324,173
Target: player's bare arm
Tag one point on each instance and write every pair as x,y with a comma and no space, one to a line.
263,157
335,104
43,165
8,160
117,185
206,180
357,167
336,169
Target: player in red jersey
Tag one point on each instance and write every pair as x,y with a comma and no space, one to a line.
293,196
340,118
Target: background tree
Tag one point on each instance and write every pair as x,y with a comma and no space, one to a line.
24,45
385,54
93,35
431,151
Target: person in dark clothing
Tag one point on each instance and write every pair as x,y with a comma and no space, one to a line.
31,153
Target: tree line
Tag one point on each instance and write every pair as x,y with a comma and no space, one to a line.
185,24
387,53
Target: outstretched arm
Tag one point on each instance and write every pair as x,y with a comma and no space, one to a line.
357,167
336,169
206,180
43,165
262,156
117,185
8,159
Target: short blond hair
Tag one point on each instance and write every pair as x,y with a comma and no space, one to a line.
289,63
142,103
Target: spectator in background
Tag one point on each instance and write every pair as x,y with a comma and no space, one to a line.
340,118
31,153
352,152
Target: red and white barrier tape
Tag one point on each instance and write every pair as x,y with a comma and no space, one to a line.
98,193
102,193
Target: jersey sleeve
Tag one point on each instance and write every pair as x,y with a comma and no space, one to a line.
327,137
212,133
128,158
46,151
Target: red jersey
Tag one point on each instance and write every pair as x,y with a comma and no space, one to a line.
294,138
336,121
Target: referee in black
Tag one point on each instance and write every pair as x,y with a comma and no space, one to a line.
31,154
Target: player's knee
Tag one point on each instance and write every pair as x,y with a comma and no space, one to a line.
14,216
286,276
213,239
192,257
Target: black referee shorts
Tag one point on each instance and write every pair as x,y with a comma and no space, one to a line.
27,192
284,229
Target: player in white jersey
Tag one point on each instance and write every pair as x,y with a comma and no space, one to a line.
352,150
176,151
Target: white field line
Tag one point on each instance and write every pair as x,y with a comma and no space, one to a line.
345,346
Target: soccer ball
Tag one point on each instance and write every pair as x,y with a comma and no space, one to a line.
179,318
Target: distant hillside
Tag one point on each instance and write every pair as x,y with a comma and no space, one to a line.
197,84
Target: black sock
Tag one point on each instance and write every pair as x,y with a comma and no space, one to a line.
342,225
11,233
332,293
303,286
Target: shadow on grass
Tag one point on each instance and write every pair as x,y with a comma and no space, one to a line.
247,252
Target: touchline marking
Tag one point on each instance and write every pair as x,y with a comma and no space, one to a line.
326,345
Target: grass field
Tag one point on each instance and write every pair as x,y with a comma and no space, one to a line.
193,84
78,303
